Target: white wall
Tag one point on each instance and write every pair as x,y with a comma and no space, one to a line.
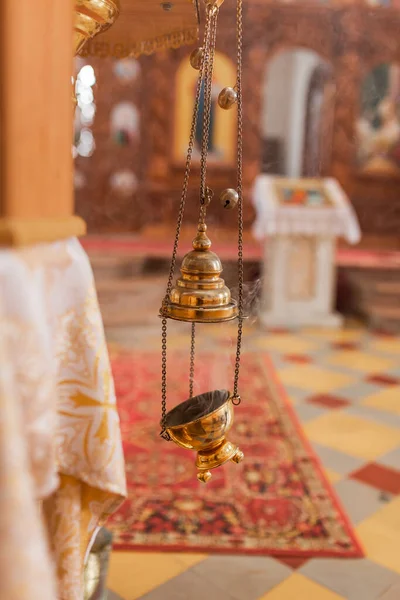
277,99
305,62
285,102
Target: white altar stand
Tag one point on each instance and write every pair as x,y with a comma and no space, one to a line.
298,221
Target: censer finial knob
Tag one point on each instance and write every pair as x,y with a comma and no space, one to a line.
201,242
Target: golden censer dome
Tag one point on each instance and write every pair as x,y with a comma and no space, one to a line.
200,294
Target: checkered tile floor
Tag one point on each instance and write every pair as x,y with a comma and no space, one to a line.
345,388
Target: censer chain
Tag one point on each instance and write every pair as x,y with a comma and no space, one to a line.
239,24
188,163
208,78
207,41
164,433
192,357
208,63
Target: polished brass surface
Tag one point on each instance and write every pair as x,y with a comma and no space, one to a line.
216,3
227,98
196,57
145,27
200,294
201,423
229,198
92,17
204,476
208,196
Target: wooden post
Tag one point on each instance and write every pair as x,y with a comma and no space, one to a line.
36,122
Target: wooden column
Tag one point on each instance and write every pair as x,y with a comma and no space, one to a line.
36,122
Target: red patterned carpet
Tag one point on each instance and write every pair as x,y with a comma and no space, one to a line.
277,502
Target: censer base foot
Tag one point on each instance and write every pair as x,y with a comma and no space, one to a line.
204,476
215,457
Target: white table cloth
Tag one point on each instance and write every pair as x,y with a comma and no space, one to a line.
299,267
274,218
60,441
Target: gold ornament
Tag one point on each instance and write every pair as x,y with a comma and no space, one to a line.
200,294
229,198
92,17
227,98
201,423
196,57
214,3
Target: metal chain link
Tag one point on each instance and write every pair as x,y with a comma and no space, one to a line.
188,163
239,25
206,48
208,61
164,433
208,80
192,357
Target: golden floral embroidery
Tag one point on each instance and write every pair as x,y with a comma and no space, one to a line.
59,428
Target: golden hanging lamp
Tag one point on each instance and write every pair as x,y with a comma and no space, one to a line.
142,26
91,18
200,294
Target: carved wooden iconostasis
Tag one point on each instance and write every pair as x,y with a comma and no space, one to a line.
344,95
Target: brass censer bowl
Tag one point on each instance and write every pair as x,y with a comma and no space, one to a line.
201,424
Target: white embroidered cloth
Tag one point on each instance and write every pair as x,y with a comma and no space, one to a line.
273,218
59,429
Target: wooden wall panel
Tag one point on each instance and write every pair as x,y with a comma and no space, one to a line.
350,35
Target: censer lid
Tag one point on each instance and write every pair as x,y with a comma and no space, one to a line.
196,408
200,294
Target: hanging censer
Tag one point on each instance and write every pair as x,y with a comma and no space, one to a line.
200,294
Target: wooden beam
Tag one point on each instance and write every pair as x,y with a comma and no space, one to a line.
36,121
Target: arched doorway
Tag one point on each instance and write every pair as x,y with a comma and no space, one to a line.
297,115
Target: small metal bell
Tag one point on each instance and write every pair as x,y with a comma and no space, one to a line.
227,98
200,294
196,57
229,198
201,423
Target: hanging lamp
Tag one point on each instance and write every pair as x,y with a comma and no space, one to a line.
200,295
140,26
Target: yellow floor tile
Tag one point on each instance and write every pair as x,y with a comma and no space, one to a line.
353,435
332,475
387,399
291,399
133,574
380,536
313,378
287,343
386,344
332,335
298,587
360,361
